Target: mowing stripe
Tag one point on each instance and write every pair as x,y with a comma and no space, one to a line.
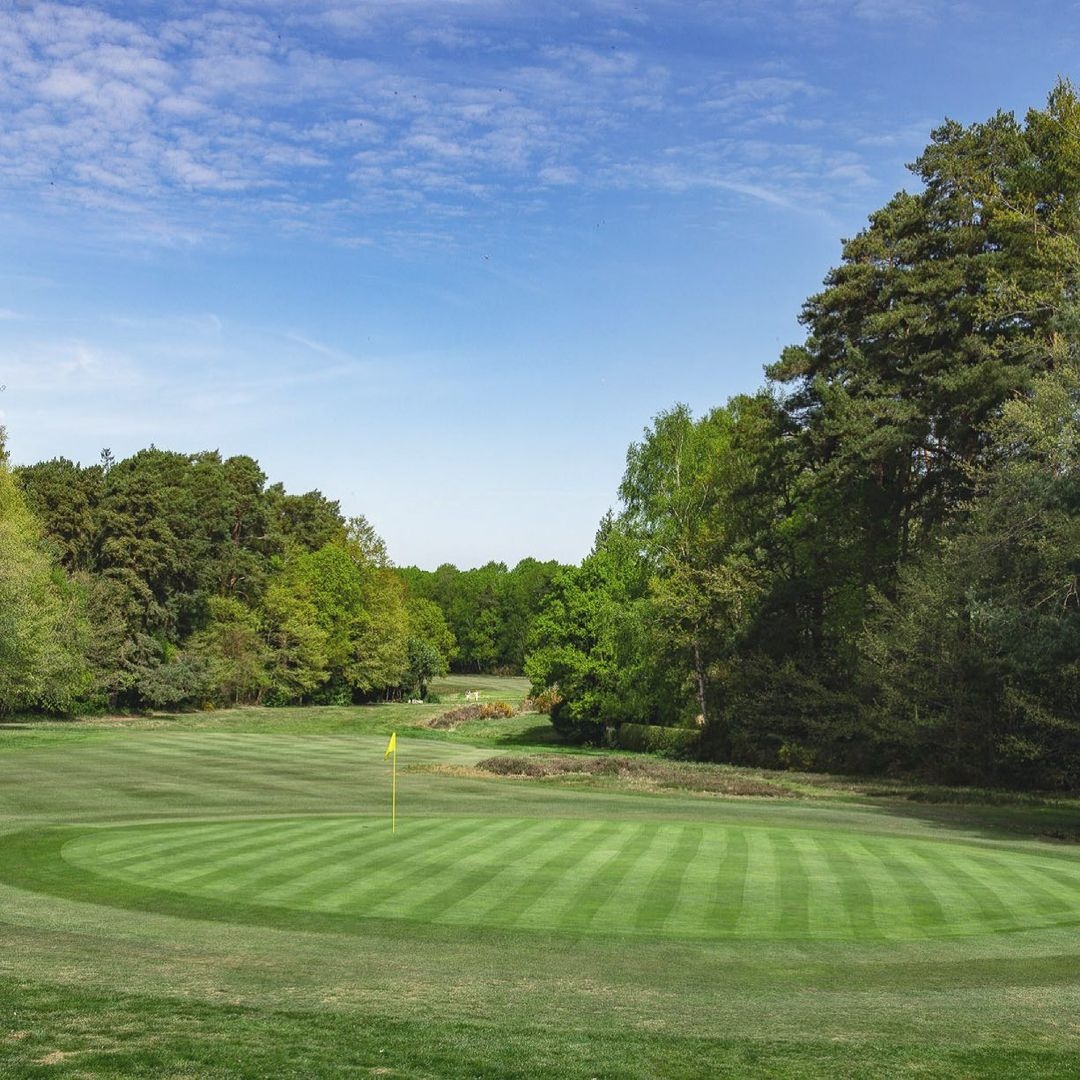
973,882
664,888
791,885
464,878
247,848
1066,878
688,914
263,882
760,912
855,892
892,906
652,878
113,847
924,910
552,877
144,864
826,914
310,875
446,860
1039,894
600,898
1012,900
235,874
419,876
185,863
729,886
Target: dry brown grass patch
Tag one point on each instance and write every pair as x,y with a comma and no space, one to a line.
636,772
486,710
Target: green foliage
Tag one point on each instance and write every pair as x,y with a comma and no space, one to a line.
427,624
975,659
590,641
425,664
872,565
680,490
653,739
876,567
202,585
489,611
297,661
42,621
782,713
359,607
949,303
175,682
643,632
233,653
65,497
305,522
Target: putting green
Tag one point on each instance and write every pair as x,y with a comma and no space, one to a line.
661,879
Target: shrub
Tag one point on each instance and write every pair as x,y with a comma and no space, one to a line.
496,710
654,739
177,682
334,692
573,728
452,717
489,710
546,700
796,756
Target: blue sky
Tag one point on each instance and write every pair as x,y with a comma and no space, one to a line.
445,261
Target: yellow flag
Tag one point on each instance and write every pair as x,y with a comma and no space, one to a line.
391,748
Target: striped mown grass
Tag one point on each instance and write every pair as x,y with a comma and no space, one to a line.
691,880
230,903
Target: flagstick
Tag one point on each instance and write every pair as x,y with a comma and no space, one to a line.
391,749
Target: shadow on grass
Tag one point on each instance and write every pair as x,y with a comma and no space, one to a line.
536,735
1046,820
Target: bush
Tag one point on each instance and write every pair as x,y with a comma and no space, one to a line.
489,710
574,729
654,739
546,700
169,685
334,692
797,756
496,710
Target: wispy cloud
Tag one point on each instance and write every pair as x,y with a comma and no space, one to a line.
69,368
322,118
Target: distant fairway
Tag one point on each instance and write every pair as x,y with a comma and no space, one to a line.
658,879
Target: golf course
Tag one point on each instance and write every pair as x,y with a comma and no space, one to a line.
222,894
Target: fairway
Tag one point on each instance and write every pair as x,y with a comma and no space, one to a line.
221,896
652,878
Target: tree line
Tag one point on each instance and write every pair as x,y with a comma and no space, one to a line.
168,580
872,563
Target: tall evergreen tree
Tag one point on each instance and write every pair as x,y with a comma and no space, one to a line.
947,305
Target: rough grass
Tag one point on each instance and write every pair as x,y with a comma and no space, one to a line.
640,772
488,710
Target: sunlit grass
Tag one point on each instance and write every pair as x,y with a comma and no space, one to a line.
219,895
